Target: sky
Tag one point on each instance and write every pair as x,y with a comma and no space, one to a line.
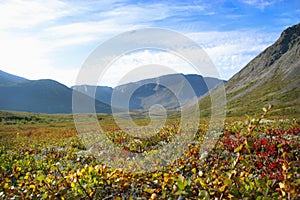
52,39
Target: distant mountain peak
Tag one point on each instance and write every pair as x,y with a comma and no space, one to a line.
42,96
159,90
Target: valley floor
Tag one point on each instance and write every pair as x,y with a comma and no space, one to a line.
42,157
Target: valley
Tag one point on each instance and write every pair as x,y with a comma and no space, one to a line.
48,151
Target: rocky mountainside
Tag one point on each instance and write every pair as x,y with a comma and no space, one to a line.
280,59
272,77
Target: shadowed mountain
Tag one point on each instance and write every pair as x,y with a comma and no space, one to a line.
41,96
9,79
101,93
168,91
272,77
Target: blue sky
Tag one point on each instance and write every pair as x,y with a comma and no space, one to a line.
52,39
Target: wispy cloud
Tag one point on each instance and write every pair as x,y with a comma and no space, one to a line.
261,4
229,51
91,24
50,39
232,50
20,14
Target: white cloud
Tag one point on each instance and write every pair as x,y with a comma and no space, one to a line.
229,51
26,14
133,63
21,54
24,48
107,23
232,50
261,4
32,30
83,32
27,56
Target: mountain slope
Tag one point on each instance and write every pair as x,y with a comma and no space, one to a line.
41,96
45,96
163,90
8,79
273,77
102,93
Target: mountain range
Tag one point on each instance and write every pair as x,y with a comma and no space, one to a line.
49,96
41,96
272,77
168,90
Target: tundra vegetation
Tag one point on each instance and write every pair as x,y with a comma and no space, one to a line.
255,157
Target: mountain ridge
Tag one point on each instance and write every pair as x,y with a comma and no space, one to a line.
272,77
159,90
7,78
50,96
289,39
40,96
